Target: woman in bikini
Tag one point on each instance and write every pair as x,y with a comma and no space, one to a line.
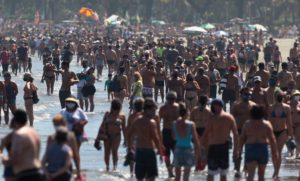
114,122
280,118
191,92
49,76
29,88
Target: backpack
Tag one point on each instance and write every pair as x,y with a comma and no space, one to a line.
115,85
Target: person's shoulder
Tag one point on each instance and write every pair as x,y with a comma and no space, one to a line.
227,116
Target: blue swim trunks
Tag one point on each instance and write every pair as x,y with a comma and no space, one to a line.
257,152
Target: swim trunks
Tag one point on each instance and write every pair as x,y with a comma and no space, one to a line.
146,165
147,92
257,152
168,141
218,159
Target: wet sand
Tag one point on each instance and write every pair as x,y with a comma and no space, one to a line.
92,162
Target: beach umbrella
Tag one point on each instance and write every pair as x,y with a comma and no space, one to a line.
208,26
220,33
260,27
194,30
237,20
158,22
89,13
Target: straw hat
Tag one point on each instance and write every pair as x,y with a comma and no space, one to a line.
71,99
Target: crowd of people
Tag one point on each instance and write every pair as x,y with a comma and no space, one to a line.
217,94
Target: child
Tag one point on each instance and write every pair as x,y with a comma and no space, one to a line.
108,87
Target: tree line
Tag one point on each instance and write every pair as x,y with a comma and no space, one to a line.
269,12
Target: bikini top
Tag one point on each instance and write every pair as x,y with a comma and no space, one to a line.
186,141
282,115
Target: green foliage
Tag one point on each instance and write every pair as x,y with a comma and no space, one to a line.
269,12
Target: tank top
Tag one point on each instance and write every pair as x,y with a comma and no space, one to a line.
56,156
10,91
183,142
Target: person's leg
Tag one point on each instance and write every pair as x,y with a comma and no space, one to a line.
29,110
280,143
186,173
80,102
100,70
261,172
210,177
115,147
48,84
155,93
162,93
92,105
223,177
107,150
52,85
177,173
251,167
86,103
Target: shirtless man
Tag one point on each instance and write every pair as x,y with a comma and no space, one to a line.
55,55
68,79
214,77
111,57
241,113
284,76
11,89
81,50
216,137
203,81
123,90
259,95
137,111
264,74
176,84
144,129
230,93
148,75
160,78
25,149
169,113
257,133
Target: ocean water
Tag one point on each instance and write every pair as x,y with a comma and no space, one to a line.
92,162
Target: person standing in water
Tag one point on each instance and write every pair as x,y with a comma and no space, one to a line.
147,139
114,122
185,134
29,90
25,149
68,79
11,90
280,118
256,134
216,136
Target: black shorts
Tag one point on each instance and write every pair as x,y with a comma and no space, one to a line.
228,96
218,157
168,141
30,175
188,62
159,83
200,131
145,163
